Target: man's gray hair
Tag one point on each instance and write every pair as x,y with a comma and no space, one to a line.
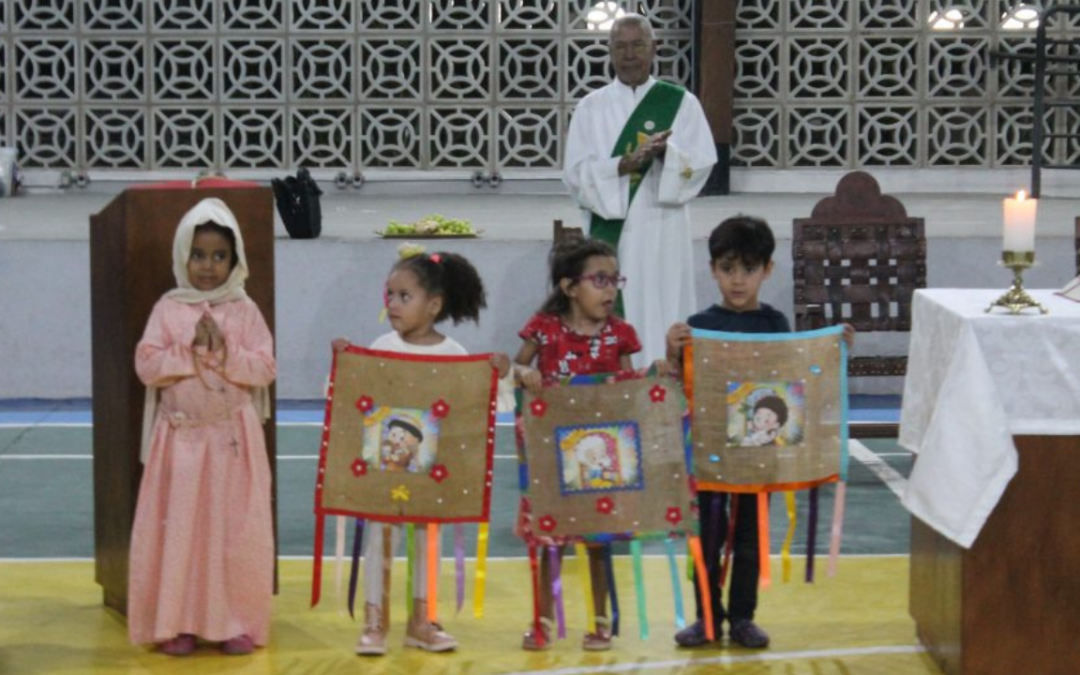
638,19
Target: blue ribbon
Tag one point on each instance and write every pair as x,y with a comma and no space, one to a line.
357,547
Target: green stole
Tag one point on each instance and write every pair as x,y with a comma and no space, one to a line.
657,110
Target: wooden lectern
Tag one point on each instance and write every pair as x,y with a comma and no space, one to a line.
130,269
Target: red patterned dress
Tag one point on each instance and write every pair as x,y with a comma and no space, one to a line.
563,352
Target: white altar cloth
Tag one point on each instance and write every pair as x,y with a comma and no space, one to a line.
974,380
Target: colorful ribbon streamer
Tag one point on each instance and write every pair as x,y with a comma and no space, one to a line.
481,570
555,563
410,560
459,566
785,551
534,568
339,557
811,535
586,586
354,572
837,526
609,568
694,545
387,568
729,535
676,587
316,566
639,588
433,572
763,539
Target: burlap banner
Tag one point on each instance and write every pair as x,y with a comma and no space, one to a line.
769,412
604,460
408,438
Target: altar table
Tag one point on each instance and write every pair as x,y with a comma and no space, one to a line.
992,410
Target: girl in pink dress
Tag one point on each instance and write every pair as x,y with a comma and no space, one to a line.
202,547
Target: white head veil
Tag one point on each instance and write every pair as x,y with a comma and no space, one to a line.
210,210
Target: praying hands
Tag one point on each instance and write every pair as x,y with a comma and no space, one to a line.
654,146
208,334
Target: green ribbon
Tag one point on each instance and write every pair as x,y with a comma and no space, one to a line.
639,589
680,615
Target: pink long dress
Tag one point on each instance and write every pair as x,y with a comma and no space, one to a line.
202,548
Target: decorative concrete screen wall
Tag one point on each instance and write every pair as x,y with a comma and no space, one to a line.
371,85
910,83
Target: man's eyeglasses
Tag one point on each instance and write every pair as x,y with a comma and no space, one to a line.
604,280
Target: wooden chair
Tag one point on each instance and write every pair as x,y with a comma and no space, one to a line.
858,259
561,232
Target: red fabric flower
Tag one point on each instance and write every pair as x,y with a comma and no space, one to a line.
439,473
359,467
657,394
440,409
604,505
538,407
547,523
435,258
674,515
364,404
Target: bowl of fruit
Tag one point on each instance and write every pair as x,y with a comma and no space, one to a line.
430,227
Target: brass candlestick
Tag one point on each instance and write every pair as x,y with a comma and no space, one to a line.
1016,299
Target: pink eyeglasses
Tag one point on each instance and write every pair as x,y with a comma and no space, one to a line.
601,280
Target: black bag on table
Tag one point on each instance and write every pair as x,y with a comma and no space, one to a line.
297,201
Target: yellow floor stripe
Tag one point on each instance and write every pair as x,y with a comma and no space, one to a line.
51,621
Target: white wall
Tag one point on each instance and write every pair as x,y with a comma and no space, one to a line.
328,288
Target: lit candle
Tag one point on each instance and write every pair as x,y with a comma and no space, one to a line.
1020,223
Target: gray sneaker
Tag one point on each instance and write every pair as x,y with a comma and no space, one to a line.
746,633
692,636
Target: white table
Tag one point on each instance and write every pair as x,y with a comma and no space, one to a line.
973,381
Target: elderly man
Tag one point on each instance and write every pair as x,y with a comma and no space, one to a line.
638,151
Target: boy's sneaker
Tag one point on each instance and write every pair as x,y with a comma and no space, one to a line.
692,636
746,633
181,645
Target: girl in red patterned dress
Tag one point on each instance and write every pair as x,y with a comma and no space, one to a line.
576,332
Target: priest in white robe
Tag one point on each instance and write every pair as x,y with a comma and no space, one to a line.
633,167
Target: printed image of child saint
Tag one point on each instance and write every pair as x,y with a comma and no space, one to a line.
400,445
595,454
766,423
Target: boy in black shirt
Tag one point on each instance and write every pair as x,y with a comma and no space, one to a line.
740,252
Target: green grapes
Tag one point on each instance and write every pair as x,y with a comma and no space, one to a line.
433,225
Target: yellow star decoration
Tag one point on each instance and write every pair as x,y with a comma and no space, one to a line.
400,493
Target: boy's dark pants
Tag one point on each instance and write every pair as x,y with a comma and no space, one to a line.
745,563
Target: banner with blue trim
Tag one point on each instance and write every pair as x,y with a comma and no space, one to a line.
769,412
